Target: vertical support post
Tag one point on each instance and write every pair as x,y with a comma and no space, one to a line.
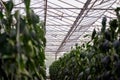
45,12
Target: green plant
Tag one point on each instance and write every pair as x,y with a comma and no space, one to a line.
22,44
98,59
54,69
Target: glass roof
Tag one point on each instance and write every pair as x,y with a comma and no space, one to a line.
67,21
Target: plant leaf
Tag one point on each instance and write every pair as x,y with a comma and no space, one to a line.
27,5
22,25
9,6
93,34
1,15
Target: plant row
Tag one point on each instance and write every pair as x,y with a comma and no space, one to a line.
22,44
99,59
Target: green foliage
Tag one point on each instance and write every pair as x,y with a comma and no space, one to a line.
22,44
54,69
97,61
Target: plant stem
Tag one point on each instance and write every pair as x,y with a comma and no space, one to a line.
18,44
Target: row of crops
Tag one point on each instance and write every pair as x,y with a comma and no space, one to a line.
22,44
99,59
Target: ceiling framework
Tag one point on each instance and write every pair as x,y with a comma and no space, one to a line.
68,21
73,26
65,30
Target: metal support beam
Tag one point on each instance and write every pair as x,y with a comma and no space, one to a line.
73,26
66,8
45,12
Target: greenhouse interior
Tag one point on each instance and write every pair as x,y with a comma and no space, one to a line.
59,39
